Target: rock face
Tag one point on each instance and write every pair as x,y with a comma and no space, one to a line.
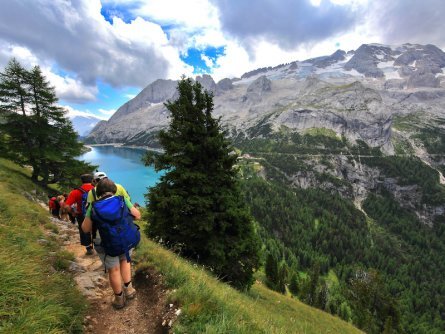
356,94
367,57
326,61
207,82
418,79
224,85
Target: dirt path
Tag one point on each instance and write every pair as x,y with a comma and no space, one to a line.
148,312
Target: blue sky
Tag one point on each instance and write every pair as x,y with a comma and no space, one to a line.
100,53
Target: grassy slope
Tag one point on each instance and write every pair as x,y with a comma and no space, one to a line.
35,299
212,307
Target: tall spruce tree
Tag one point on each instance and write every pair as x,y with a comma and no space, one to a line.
34,129
16,122
197,208
271,270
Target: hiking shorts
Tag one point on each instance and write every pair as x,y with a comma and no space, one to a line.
107,260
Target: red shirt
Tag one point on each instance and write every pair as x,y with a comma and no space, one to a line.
75,196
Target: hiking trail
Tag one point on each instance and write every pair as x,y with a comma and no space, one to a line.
147,313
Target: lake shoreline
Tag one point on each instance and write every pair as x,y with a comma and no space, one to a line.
147,148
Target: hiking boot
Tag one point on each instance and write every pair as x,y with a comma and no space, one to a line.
119,301
89,251
129,291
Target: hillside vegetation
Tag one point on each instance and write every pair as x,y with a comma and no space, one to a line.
387,259
36,296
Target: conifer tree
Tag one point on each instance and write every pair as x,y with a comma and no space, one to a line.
294,287
16,123
197,208
271,269
34,128
283,273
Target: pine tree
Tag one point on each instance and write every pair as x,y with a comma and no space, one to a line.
17,124
294,287
271,269
283,273
35,130
197,208
313,284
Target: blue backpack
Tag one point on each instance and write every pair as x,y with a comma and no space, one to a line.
84,200
118,233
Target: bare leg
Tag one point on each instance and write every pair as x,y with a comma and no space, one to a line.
125,270
114,276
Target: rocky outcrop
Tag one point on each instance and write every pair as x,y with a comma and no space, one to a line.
418,79
395,84
367,57
207,82
325,61
157,92
224,85
260,86
256,90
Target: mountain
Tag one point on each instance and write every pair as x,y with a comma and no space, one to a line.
84,124
356,94
341,166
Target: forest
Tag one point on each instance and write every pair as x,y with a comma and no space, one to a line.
380,267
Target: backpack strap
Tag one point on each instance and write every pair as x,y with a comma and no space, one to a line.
83,191
94,194
127,255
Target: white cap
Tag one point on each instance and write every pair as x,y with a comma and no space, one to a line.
99,176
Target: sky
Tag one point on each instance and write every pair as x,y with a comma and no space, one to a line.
98,54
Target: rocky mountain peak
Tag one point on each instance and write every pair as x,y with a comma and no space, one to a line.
157,92
325,61
224,85
366,58
260,85
207,82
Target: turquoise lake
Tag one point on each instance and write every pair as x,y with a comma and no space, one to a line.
123,165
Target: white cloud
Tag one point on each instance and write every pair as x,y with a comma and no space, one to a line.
69,89
107,113
191,14
208,61
79,40
315,3
71,113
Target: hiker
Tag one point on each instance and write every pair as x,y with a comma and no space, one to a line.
99,176
54,206
63,211
113,215
78,198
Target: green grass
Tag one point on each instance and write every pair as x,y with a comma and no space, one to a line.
322,132
409,123
37,297
210,306
33,298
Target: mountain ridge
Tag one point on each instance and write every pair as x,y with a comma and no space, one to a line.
389,74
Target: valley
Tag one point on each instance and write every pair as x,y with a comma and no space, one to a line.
341,162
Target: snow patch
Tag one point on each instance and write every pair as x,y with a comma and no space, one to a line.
385,64
389,70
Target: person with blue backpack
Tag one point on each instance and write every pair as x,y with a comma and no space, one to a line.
78,198
113,217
